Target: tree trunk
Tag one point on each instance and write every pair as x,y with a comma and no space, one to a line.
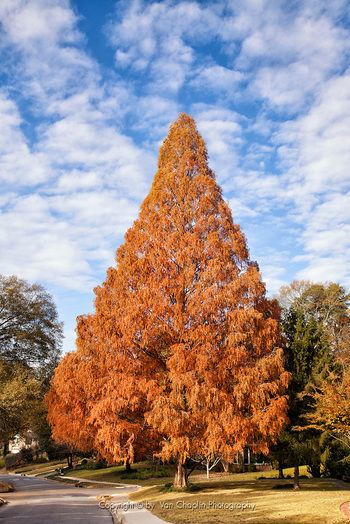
181,480
6,448
296,478
70,460
208,469
315,470
241,461
225,466
280,470
127,465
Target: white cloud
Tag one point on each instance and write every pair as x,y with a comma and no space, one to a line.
155,38
326,240
240,210
19,164
291,51
60,238
317,145
221,129
315,156
273,275
41,247
217,78
99,152
87,173
46,46
39,20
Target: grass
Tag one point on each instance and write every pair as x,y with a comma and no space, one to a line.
40,468
143,474
317,501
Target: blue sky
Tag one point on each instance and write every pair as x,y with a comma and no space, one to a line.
89,88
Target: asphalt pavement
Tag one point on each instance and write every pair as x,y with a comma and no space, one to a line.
41,501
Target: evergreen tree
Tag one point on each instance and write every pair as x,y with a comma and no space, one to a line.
308,358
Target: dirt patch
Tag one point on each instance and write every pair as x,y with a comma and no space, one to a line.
345,508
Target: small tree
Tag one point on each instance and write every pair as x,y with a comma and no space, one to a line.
68,399
332,410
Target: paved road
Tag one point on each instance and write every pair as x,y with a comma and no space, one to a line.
41,501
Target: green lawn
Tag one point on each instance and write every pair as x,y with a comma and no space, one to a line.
143,474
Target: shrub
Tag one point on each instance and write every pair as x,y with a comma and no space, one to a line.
92,464
14,460
340,469
27,455
336,460
40,460
144,474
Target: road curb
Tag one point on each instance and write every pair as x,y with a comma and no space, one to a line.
117,517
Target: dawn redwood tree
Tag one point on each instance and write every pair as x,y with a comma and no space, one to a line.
188,340
82,411
69,399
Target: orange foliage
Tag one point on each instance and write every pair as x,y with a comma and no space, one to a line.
68,399
188,359
332,401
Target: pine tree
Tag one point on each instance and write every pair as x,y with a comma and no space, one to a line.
187,342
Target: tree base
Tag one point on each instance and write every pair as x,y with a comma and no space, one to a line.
181,479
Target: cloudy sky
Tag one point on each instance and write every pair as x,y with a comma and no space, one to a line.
87,92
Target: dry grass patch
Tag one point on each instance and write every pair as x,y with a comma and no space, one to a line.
249,500
42,468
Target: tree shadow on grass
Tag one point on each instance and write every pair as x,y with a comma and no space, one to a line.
270,484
